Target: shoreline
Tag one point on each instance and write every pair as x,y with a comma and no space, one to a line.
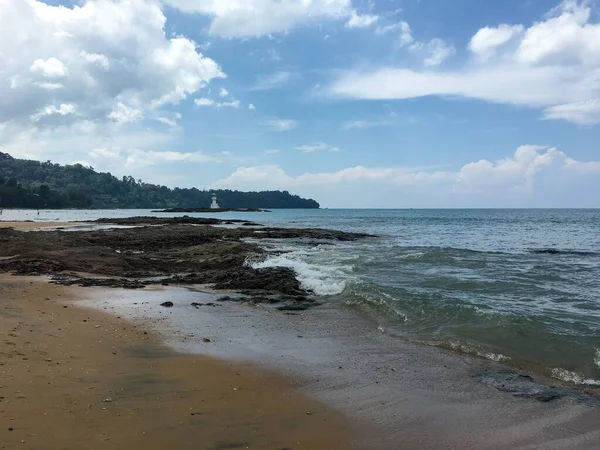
77,378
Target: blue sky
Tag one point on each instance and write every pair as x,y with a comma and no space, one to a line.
430,103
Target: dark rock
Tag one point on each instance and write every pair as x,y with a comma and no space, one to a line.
167,304
525,386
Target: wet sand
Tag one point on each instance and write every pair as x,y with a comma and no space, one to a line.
33,226
401,395
75,378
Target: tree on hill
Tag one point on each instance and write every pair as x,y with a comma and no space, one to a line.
34,184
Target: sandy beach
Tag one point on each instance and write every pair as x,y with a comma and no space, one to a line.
74,378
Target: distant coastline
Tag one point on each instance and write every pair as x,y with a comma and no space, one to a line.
208,210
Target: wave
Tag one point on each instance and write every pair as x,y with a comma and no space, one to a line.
320,279
597,358
469,349
573,377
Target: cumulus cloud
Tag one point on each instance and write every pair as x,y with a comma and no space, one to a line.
223,92
553,65
248,18
251,107
124,114
488,39
532,176
204,102
281,124
100,56
361,21
319,147
51,68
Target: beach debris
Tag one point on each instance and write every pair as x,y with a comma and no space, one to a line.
393,369
107,400
48,359
235,389
308,413
206,340
11,429
167,304
97,326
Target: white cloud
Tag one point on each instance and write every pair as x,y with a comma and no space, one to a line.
209,102
246,18
533,176
251,107
232,104
434,52
49,86
94,55
64,110
51,68
402,28
553,65
583,113
281,124
361,21
488,39
271,151
204,102
567,38
172,122
223,92
96,58
124,114
319,147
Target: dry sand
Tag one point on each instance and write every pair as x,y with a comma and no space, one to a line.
73,378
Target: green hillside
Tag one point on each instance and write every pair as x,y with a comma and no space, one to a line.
34,184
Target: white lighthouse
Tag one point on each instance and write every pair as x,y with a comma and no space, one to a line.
214,204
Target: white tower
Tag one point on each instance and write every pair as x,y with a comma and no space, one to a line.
214,204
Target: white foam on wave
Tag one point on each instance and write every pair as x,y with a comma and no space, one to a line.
473,350
597,358
322,279
573,377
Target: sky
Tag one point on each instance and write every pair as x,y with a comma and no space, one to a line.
355,103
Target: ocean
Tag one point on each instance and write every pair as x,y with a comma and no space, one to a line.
521,287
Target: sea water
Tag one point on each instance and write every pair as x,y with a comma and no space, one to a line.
517,286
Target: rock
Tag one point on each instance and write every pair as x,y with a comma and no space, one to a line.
206,340
167,304
224,298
